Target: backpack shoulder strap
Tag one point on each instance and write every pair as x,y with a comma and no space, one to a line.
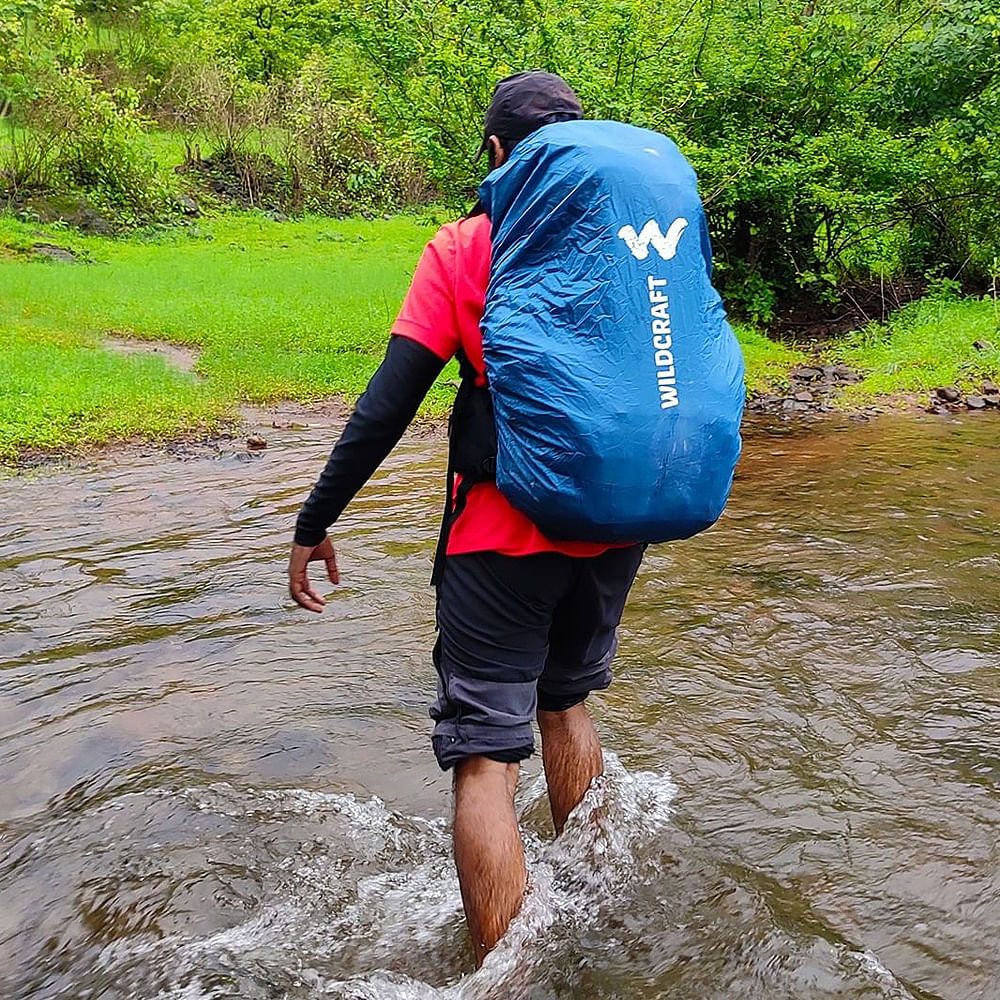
472,451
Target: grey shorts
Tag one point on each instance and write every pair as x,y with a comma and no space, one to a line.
517,634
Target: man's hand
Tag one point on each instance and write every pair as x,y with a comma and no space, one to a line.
298,573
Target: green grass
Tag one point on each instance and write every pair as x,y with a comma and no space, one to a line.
294,310
279,310
62,390
299,310
925,345
767,361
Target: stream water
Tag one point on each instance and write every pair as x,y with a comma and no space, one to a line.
207,794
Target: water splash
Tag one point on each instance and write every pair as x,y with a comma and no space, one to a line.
370,908
870,967
330,896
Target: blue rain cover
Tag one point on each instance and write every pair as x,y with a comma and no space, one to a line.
617,383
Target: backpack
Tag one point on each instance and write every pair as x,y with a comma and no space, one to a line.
616,383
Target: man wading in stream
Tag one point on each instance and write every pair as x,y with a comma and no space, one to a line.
610,420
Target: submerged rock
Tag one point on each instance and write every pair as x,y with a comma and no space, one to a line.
256,443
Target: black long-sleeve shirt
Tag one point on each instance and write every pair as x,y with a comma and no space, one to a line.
383,413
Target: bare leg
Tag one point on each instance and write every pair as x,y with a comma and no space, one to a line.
571,753
488,850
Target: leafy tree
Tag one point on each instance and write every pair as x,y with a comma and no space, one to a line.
837,141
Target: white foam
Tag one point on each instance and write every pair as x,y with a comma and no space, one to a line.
868,963
323,915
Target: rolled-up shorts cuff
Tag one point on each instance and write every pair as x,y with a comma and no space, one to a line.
550,701
562,691
453,741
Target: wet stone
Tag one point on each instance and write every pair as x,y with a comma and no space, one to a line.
788,404
843,375
759,403
990,388
255,442
804,396
975,402
949,393
806,373
993,399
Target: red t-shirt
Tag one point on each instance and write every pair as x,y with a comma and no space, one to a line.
442,311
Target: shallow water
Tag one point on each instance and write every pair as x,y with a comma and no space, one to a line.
206,794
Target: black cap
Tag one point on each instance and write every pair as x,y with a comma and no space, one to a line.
525,102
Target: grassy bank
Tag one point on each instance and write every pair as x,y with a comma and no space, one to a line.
940,341
299,310
293,310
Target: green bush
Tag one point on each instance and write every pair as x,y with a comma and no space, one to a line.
67,133
341,158
838,142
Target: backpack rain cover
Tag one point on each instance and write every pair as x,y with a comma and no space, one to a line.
617,383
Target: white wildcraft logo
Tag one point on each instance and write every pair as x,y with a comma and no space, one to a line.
664,363
665,245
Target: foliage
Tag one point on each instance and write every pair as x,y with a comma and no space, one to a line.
65,132
811,177
341,157
838,141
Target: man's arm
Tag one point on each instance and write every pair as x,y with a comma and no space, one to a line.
382,414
